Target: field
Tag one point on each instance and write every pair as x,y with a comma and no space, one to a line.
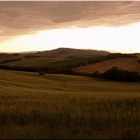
130,64
62,106
34,62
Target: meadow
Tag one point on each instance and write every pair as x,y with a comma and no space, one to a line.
130,64
34,62
63,106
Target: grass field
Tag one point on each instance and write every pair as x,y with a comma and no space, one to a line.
62,106
130,64
34,62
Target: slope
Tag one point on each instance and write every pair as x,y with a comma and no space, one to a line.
130,64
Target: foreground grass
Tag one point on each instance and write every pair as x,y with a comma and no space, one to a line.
61,106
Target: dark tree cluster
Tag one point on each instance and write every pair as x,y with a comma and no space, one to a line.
120,55
17,68
41,72
119,75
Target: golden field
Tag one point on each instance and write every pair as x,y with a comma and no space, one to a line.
63,106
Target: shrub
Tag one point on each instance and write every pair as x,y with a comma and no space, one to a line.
41,73
96,74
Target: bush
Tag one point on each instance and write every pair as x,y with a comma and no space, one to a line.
96,74
41,73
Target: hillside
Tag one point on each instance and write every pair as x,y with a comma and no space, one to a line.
34,62
54,83
67,64
64,60
60,52
67,52
130,64
66,107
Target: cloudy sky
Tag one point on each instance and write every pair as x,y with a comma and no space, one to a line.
30,26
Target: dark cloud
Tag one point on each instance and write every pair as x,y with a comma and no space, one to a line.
17,18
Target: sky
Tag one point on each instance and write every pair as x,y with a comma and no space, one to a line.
37,26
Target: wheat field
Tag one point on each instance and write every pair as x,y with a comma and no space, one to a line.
64,106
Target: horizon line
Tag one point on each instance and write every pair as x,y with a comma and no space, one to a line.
35,51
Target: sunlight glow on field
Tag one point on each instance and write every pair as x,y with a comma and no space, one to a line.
114,39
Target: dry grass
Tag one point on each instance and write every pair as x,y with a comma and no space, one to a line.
130,64
33,107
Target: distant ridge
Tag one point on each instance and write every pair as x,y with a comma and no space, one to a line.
69,52
56,53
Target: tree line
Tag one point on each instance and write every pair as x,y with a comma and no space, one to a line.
118,75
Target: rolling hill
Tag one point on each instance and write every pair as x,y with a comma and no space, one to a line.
36,57
60,52
35,62
64,60
68,52
130,64
54,61
67,107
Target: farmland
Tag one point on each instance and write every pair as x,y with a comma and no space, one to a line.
130,64
53,62
35,62
63,106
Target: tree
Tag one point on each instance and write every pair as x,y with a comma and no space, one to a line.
41,73
119,75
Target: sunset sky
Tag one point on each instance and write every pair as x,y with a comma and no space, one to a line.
36,26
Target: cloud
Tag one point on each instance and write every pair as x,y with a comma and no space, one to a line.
18,18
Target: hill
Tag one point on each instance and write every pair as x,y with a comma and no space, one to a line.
57,60
66,64
60,52
130,64
68,52
36,62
